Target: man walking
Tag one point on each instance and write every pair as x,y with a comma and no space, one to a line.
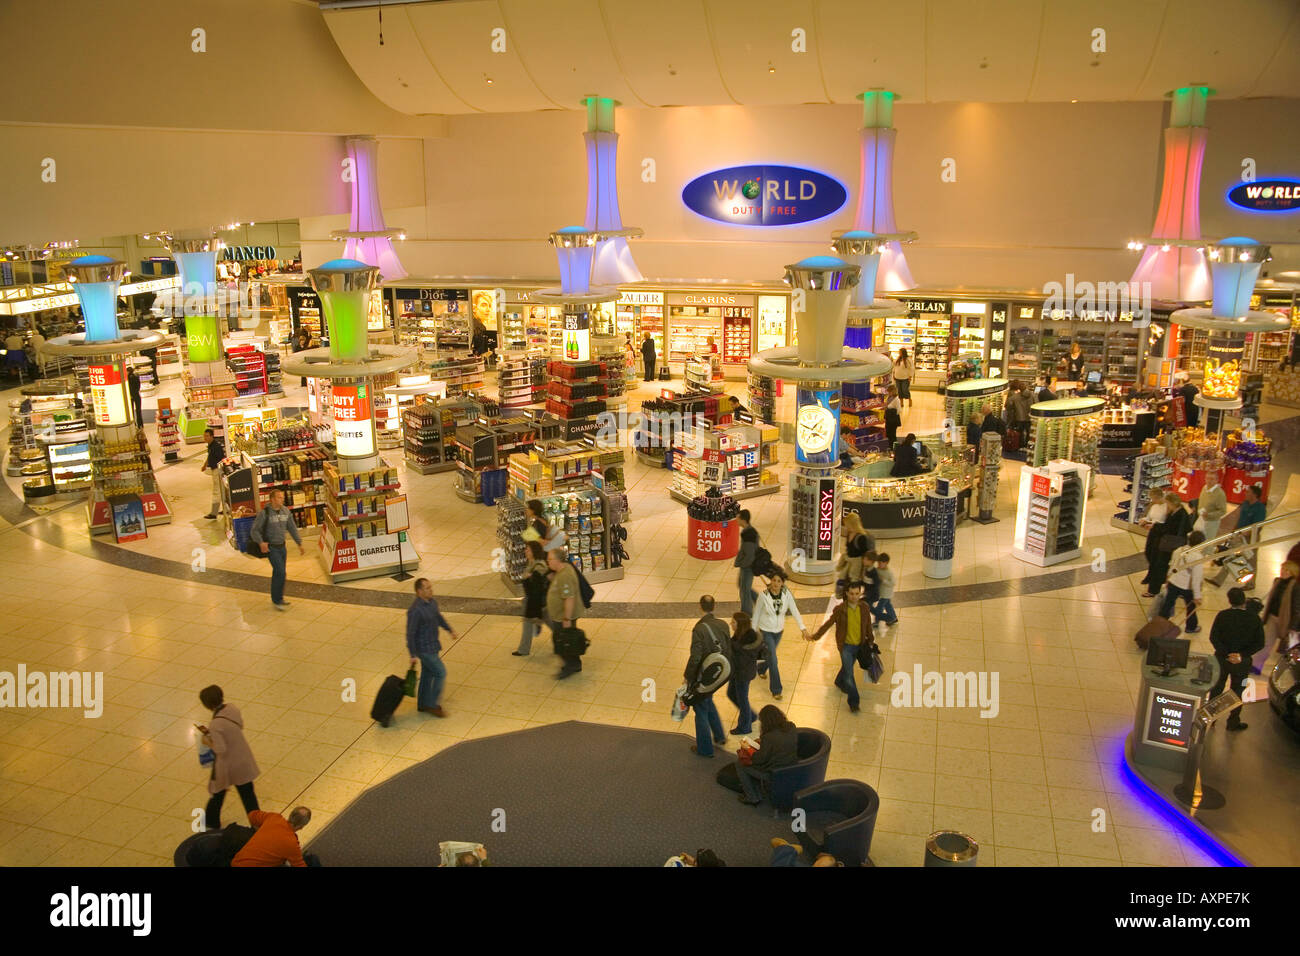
648,357
270,527
709,636
423,620
133,389
745,561
216,452
852,621
562,604
1236,635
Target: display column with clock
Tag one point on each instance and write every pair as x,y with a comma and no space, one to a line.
817,426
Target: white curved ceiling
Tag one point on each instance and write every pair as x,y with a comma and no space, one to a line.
438,56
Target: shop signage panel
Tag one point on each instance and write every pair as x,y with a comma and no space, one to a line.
929,306
711,299
825,519
108,395
1267,195
1169,719
434,295
373,552
128,518
248,253
633,297
354,434
763,195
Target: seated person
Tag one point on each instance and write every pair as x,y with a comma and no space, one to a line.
785,853
778,746
276,840
974,428
906,459
1045,393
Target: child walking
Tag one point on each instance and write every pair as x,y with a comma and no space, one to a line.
883,609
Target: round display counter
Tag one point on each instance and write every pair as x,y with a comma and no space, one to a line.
963,399
1066,429
1124,429
895,507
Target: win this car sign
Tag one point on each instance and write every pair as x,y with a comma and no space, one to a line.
764,195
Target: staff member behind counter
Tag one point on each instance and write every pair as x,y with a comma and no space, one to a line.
907,459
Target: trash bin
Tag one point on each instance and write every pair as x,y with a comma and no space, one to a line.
950,848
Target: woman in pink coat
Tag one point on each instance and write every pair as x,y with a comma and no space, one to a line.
234,766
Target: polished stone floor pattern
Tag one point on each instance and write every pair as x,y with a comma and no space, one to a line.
123,789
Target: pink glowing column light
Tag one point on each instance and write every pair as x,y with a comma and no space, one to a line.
1178,271
369,240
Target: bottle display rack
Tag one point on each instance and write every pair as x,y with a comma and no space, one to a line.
662,418
461,371
555,466
576,395
483,448
429,433
300,475
248,364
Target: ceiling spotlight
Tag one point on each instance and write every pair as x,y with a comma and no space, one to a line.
770,67
1164,248
402,236
488,79
1074,101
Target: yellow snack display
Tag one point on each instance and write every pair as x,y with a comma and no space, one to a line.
1222,381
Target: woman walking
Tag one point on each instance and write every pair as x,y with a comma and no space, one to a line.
539,529
535,581
234,765
773,604
1173,535
903,370
745,646
893,416
856,544
1281,611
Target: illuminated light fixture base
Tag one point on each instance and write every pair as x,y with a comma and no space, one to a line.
875,212
369,239
612,263
867,250
128,342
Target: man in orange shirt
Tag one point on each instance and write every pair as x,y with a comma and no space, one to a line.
276,840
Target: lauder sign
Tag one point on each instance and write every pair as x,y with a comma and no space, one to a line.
762,195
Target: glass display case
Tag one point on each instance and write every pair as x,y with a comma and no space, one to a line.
895,507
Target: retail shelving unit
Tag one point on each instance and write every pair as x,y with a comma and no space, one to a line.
762,396
144,370
934,342
1151,476
1050,513
299,473
900,333
862,412
170,363
1066,428
704,372
483,448
429,430
734,458
576,395
461,371
208,388
964,399
610,351
120,468
663,417
356,543
169,436
591,518
248,364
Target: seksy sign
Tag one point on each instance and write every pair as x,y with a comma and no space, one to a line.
826,519
1267,195
761,195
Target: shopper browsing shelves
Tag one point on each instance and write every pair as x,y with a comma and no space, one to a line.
903,371
272,524
212,462
770,610
540,529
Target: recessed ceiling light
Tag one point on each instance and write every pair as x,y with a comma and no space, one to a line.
1074,101
770,67
488,79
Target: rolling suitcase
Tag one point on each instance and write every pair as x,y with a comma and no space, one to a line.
1156,627
386,701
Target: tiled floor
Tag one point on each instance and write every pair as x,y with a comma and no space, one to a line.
123,789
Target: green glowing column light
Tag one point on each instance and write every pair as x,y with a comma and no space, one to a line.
344,286
198,273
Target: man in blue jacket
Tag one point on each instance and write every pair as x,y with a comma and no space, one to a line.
423,620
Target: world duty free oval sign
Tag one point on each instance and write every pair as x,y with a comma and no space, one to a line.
761,195
1267,195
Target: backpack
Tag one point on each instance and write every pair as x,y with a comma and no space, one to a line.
715,669
762,565
585,590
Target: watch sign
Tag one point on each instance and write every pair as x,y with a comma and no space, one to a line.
1267,195
762,195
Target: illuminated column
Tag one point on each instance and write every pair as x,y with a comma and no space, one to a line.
875,213
344,288
819,366
613,258
1173,261
864,249
368,239
196,261
96,279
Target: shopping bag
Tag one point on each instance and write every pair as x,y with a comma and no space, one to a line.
680,706
409,685
207,756
869,661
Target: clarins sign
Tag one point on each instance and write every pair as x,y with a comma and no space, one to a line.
761,195
1267,195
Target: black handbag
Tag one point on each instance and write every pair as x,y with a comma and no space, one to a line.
1170,543
869,661
571,642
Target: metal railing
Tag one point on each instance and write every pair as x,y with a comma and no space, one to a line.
1244,542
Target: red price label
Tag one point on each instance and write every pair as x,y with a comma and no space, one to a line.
1042,485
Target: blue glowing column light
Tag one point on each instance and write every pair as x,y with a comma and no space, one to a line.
196,261
96,279
1235,264
575,250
